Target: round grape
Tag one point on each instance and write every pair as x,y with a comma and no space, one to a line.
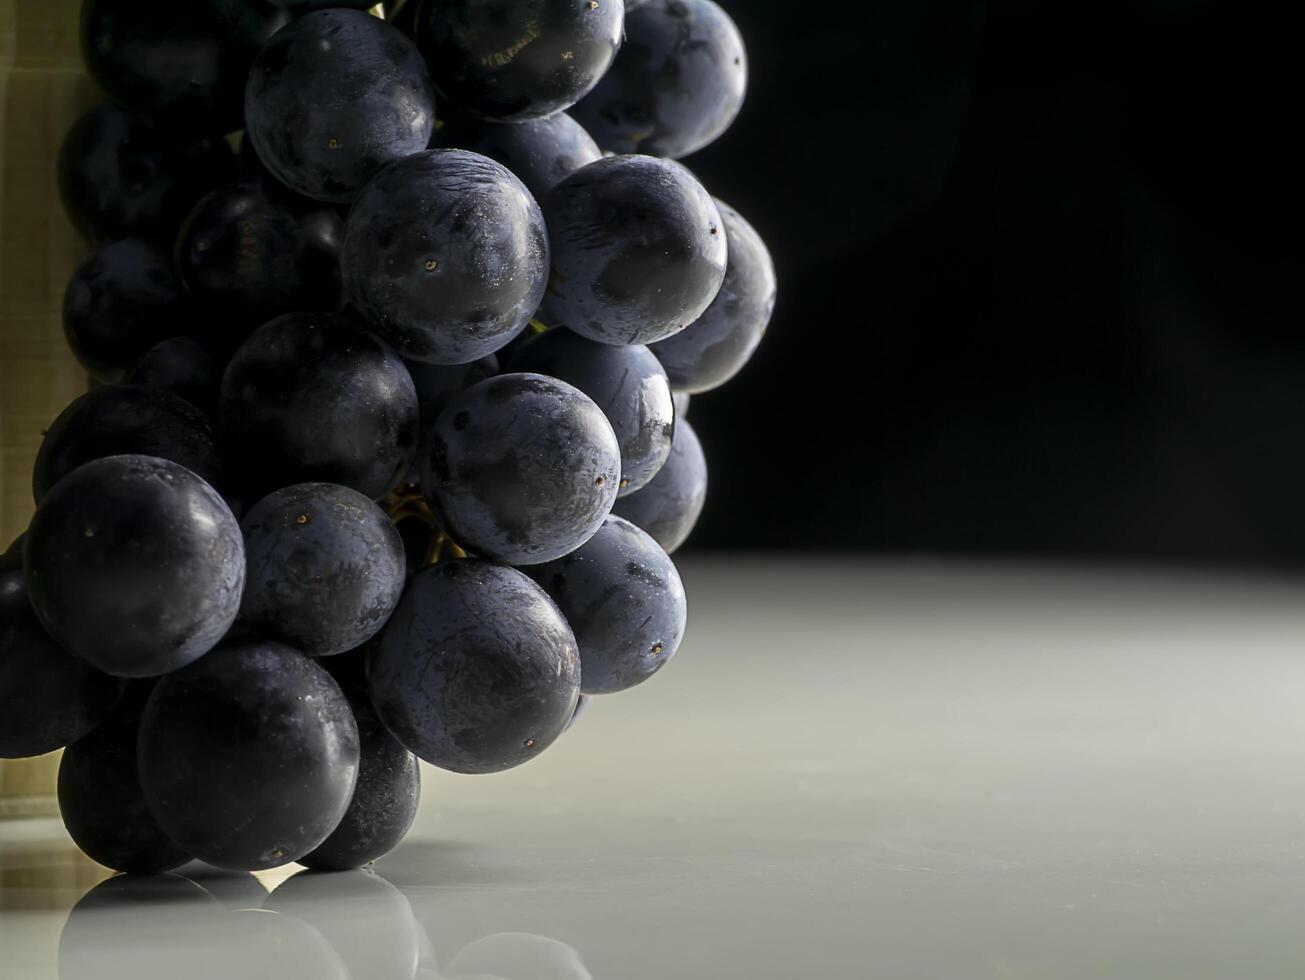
514,60
668,507
627,383
677,84
314,397
332,98
521,468
541,152
122,300
476,671
135,565
638,250
445,255
100,798
324,568
714,348
248,757
126,419
183,367
119,177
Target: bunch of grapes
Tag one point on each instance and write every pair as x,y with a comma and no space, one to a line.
388,451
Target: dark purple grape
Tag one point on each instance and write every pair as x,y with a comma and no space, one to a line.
445,255
248,757
184,367
332,98
436,383
627,383
681,400
134,564
125,419
249,252
624,601
638,250
476,671
100,798
384,802
314,397
324,568
119,177
714,348
48,698
677,84
581,706
668,507
182,64
541,152
514,60
122,300
521,468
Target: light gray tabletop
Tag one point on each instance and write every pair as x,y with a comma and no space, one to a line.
850,770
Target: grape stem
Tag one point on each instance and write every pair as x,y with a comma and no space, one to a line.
536,326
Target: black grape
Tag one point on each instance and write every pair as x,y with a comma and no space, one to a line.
627,383
518,59
713,348
633,5
121,419
233,732
476,671
180,64
668,507
250,251
314,397
638,250
623,599
540,152
48,698
134,564
435,383
184,367
677,84
100,797
521,468
681,400
445,255
324,568
122,300
334,97
384,802
120,177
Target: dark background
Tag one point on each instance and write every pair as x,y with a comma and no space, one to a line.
1040,273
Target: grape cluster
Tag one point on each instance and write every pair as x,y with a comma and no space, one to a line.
387,452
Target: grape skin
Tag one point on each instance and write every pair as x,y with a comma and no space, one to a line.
183,367
515,60
521,468
371,102
384,802
119,177
627,383
48,697
264,719
638,250
695,53
126,419
714,348
623,599
134,564
541,152
311,397
100,797
669,506
324,568
445,256
476,671
122,300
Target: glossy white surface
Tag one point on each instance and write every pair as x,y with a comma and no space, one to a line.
848,771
